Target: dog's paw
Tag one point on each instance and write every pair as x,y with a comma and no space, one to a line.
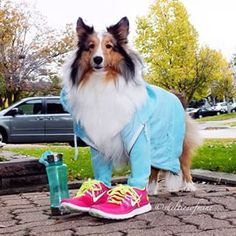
153,188
189,187
173,182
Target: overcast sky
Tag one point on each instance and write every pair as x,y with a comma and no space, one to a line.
215,20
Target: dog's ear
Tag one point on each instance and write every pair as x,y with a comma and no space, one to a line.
83,29
120,30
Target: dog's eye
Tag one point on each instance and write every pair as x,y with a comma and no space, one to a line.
91,46
108,46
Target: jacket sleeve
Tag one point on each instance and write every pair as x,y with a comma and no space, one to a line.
64,101
102,168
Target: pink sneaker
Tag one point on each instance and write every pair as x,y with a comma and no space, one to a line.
91,192
123,202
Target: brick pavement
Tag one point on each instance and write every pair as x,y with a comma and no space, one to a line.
211,210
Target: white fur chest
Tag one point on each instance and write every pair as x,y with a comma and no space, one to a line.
104,108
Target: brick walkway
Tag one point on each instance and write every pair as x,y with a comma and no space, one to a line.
209,211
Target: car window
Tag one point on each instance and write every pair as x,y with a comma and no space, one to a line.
54,107
32,107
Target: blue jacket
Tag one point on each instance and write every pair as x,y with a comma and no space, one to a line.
162,117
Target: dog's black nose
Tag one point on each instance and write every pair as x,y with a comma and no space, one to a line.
97,60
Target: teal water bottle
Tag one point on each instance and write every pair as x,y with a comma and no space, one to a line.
58,181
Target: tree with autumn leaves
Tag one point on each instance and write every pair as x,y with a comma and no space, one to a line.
169,45
30,52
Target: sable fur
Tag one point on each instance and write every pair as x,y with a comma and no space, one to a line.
191,141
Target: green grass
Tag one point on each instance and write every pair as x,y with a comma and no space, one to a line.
216,155
2,159
79,169
217,118
232,124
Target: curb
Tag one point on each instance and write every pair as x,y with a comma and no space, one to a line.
213,176
44,187
114,181
197,174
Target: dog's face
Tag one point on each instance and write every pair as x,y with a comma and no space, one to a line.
102,51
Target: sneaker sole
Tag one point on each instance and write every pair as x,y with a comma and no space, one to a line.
74,207
138,211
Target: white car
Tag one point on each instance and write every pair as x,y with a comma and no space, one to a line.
221,106
233,107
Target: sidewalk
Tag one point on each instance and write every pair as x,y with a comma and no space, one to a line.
211,210
217,129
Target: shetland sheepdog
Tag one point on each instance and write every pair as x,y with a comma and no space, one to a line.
106,88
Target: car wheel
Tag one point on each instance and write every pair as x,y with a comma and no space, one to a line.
218,113
72,144
80,143
200,116
233,111
3,136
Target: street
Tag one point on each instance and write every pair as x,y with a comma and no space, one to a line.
217,129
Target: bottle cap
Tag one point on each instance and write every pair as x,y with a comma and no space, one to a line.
54,157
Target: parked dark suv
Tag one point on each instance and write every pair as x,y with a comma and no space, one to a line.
36,120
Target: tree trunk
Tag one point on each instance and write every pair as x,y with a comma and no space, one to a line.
227,102
1,103
9,96
16,96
